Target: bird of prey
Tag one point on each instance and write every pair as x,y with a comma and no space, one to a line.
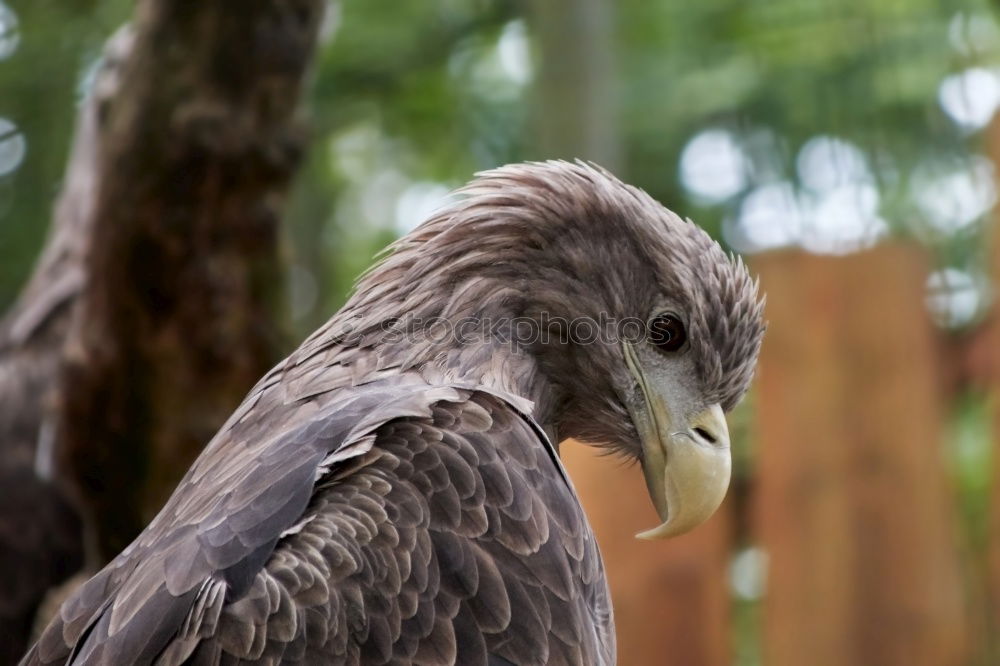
391,493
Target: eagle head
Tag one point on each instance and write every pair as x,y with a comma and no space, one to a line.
638,332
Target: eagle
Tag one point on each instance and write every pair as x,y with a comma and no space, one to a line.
391,493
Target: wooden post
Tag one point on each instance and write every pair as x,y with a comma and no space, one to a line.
854,509
670,597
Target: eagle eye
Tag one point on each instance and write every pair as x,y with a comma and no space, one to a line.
666,331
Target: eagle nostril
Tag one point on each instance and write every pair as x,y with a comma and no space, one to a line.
705,435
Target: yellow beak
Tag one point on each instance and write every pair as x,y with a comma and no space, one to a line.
687,465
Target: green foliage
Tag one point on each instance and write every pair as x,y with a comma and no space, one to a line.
969,457
417,93
407,99
407,95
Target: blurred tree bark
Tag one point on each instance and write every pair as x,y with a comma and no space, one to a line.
177,317
157,301
670,599
854,509
574,92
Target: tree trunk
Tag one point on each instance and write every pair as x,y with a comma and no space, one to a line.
156,303
575,115
854,509
177,317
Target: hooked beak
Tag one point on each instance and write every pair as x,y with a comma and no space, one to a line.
686,465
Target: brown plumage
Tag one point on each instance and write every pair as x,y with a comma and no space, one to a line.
391,495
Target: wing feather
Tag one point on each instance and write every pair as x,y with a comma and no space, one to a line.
393,522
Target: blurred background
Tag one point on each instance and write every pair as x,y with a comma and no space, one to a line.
847,148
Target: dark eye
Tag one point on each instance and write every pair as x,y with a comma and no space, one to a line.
666,331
